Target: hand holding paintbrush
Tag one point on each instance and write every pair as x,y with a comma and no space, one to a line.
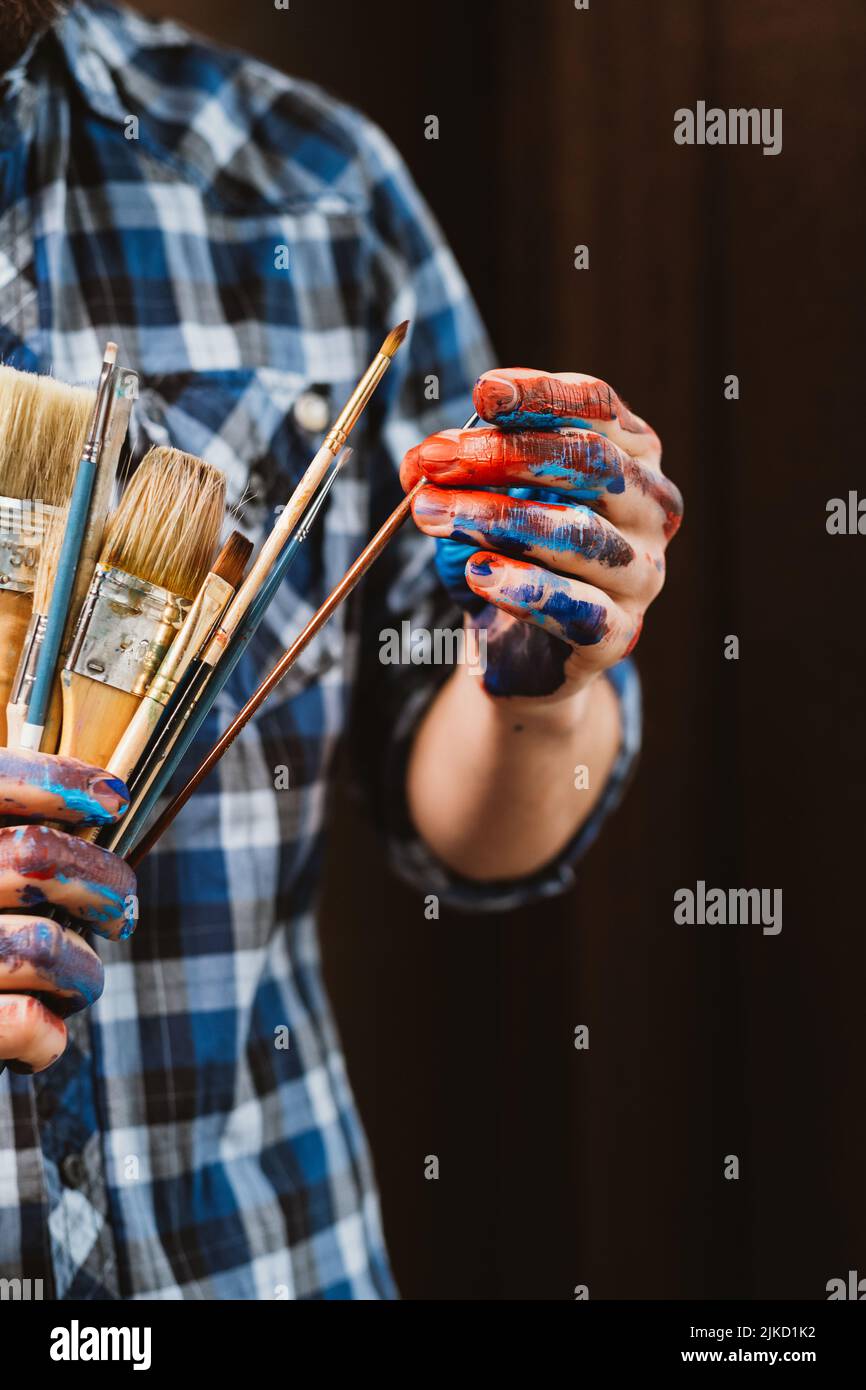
48,971
165,529
94,650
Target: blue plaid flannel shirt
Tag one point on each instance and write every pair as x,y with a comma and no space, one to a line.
146,182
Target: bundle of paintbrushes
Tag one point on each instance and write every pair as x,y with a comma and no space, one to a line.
136,847
105,596
160,627
181,698
144,628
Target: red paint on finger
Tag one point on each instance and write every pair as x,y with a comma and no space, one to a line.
45,871
663,492
541,395
579,461
635,638
14,1010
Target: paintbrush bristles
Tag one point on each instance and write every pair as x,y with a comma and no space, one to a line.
166,528
49,554
394,339
44,426
232,559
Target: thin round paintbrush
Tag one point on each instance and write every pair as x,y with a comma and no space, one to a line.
158,548
43,425
16,710
201,674
70,550
334,441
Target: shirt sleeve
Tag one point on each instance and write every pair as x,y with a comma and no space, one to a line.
413,275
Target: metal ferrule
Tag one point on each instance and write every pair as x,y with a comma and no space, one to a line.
22,527
125,629
208,606
25,672
346,420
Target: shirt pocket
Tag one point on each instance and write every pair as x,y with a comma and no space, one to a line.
259,426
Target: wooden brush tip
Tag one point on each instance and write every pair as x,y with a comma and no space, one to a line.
232,560
394,339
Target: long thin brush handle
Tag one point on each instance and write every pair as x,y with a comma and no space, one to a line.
341,591
275,541
67,565
189,690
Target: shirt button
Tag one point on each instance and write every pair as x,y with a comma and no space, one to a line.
312,411
73,1170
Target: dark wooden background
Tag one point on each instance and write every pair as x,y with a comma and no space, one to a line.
606,1167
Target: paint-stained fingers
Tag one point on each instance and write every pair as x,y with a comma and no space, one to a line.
515,397
583,464
40,865
44,787
571,539
41,957
598,629
31,1036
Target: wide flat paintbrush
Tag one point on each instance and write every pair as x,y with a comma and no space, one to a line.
157,551
201,674
43,424
210,603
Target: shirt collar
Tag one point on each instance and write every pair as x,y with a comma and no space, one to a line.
12,81
94,46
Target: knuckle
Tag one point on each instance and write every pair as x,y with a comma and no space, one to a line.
31,844
28,1020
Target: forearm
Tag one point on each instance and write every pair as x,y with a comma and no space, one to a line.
493,785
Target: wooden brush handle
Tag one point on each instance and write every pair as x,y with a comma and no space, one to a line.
94,718
16,715
15,612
